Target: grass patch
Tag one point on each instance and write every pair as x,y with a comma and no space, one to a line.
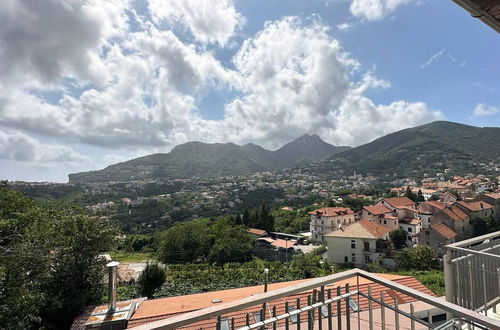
432,279
122,256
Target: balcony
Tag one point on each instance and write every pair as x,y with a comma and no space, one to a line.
353,299
472,274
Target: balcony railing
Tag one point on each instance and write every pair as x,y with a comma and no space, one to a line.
376,303
472,273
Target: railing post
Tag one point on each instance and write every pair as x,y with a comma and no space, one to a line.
339,310
370,311
412,313
485,290
347,309
449,284
298,315
382,310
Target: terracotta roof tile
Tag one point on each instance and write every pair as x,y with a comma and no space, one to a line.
377,209
436,204
282,243
399,201
444,230
361,229
332,211
476,206
153,310
256,231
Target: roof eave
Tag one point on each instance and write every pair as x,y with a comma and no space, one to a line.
476,12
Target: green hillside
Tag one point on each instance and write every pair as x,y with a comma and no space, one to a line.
425,148
209,160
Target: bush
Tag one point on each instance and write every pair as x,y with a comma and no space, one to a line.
398,238
419,257
151,279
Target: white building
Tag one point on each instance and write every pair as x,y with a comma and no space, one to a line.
360,243
328,219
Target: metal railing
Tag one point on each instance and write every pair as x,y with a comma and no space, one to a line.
472,273
332,307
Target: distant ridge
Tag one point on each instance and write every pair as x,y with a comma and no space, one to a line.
426,148
211,160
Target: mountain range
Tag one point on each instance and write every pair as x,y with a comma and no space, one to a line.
424,149
412,151
212,160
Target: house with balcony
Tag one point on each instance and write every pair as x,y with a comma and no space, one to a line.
327,220
359,243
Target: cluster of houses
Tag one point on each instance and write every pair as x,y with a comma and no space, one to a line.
363,237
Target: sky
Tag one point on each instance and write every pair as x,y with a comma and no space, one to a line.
89,83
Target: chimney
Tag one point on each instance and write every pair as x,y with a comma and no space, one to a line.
112,285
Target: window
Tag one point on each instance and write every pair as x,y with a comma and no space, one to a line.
385,222
346,259
410,229
367,246
338,221
332,223
256,317
353,258
353,244
427,233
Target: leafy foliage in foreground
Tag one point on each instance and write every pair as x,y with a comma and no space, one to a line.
49,265
419,257
151,278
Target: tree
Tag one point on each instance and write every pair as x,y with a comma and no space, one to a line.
231,243
238,219
246,218
49,264
398,238
420,257
185,242
264,219
331,203
420,197
151,278
409,193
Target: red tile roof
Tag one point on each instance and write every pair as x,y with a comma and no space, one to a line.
476,206
493,195
258,232
361,229
455,213
399,201
285,244
332,211
436,204
157,309
377,209
444,230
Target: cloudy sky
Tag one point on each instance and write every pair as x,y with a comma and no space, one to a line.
88,83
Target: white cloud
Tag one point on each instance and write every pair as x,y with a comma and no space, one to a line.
298,79
210,21
374,10
40,41
137,92
21,147
344,26
484,110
